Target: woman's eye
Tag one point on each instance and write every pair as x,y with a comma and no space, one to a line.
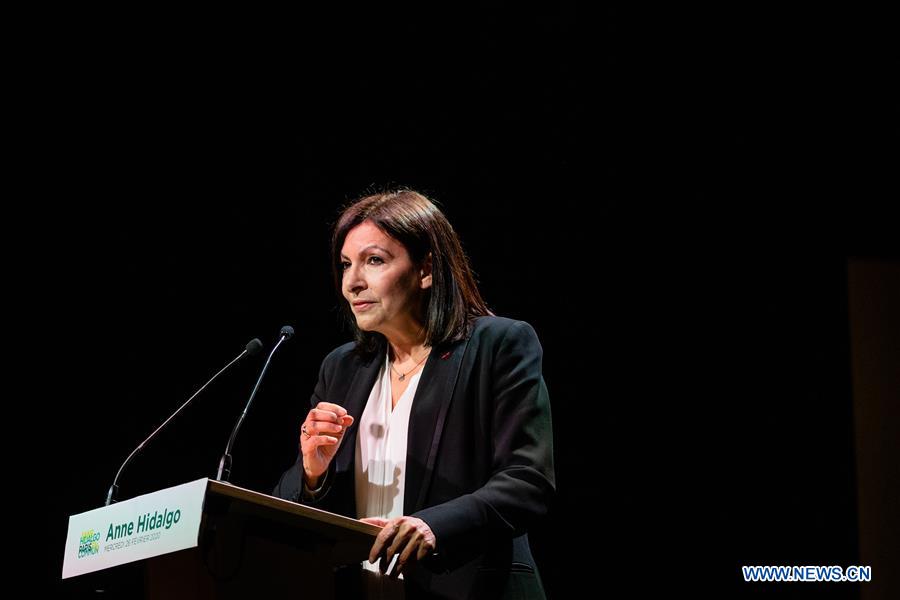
344,266
375,260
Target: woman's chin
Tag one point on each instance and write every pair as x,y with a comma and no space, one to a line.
365,325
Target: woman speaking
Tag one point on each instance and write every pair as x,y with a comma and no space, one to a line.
434,424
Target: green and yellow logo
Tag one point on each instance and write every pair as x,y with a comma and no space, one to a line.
89,543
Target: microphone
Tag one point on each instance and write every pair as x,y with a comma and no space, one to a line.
224,472
252,347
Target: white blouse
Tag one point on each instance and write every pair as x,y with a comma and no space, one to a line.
381,449
380,472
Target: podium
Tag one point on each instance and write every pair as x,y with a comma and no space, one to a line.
208,539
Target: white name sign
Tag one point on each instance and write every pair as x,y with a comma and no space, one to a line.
149,525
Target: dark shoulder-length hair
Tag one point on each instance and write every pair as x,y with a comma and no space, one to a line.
453,301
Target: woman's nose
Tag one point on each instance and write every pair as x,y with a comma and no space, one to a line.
353,280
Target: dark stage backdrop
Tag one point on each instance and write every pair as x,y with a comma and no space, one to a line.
670,199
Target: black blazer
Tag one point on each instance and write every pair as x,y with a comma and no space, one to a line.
479,466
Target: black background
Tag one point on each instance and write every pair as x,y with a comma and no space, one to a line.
669,198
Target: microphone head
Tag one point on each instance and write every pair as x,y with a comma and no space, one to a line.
254,346
287,332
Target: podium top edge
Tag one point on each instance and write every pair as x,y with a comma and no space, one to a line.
232,491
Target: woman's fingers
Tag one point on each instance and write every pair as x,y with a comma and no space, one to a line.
327,407
408,538
319,427
325,421
314,426
410,550
317,414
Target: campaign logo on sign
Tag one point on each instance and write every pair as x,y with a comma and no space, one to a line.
89,544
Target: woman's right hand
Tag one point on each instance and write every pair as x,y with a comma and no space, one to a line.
320,437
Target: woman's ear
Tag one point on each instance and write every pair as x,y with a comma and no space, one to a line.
425,273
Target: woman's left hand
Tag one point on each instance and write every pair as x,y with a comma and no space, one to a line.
409,537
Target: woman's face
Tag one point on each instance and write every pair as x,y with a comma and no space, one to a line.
380,281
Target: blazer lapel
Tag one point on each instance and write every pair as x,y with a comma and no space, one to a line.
355,402
426,422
